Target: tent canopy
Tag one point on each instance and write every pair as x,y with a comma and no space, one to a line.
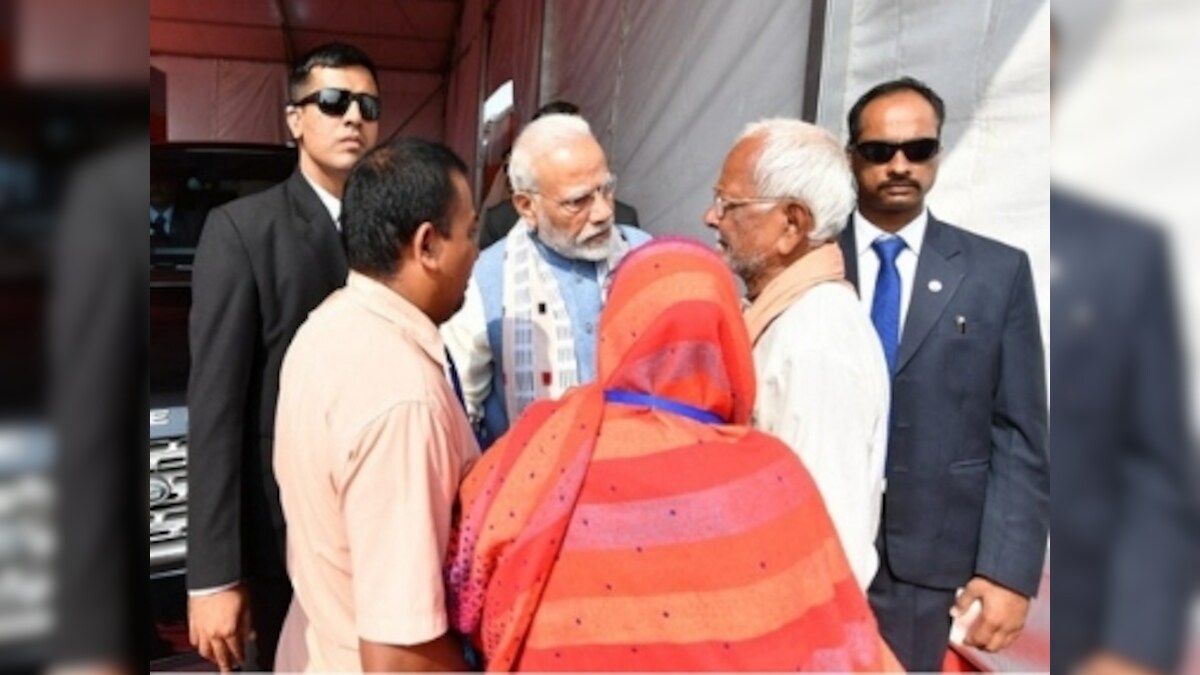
412,36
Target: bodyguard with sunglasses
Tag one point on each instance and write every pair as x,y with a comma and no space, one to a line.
967,501
262,263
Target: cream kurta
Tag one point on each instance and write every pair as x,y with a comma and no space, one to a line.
823,388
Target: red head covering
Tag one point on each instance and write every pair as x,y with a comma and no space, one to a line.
602,535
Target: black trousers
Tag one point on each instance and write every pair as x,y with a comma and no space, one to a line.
915,620
270,595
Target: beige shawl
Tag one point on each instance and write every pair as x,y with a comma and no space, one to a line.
820,265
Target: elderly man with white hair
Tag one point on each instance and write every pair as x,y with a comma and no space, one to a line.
783,197
527,330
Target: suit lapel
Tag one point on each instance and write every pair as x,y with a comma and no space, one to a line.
937,263
850,253
318,230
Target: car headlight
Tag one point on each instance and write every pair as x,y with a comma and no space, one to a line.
160,490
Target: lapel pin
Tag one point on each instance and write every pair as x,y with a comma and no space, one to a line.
935,286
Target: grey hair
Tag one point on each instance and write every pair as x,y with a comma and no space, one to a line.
804,162
538,137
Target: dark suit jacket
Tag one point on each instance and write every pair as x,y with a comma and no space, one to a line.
500,218
1124,523
263,262
968,489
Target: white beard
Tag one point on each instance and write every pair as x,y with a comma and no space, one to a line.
573,247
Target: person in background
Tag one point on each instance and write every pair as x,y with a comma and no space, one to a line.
171,224
262,263
528,329
640,524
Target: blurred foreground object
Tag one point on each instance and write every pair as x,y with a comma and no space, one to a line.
99,358
1124,520
1124,516
72,198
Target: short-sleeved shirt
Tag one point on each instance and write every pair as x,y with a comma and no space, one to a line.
371,444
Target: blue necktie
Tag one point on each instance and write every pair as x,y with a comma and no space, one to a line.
885,307
457,383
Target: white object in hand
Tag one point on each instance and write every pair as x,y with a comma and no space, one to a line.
963,623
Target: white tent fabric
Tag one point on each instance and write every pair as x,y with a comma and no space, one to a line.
993,71
668,85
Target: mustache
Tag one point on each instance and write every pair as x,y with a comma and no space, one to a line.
590,231
900,182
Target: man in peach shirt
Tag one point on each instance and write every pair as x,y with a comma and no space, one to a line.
371,442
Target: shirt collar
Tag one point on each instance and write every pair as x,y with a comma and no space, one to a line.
392,306
165,213
913,233
332,204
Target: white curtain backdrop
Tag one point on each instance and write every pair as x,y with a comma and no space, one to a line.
989,61
668,85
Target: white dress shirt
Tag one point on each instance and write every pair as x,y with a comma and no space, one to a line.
332,204
823,388
865,233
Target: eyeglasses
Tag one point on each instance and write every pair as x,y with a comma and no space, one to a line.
584,202
722,205
881,152
335,102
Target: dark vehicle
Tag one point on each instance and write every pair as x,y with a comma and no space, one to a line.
187,180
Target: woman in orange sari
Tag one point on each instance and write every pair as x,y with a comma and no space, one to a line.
638,523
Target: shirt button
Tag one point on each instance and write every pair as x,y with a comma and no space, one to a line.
588,328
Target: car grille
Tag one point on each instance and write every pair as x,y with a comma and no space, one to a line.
28,545
168,503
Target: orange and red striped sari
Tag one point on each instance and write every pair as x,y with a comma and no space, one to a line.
604,534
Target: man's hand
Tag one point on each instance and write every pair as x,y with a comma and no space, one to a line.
219,625
1001,618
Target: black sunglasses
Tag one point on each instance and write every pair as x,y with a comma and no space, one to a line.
881,152
335,103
